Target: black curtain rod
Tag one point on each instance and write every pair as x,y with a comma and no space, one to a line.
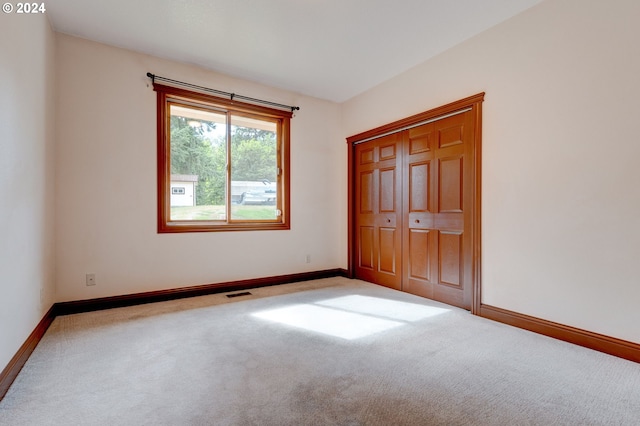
231,96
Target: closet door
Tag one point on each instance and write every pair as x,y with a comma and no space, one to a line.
438,208
378,218
414,204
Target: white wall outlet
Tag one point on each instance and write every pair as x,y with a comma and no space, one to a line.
307,258
91,279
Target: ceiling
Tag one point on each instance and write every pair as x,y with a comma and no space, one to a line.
329,49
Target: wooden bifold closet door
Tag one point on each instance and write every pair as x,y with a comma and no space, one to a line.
378,203
415,201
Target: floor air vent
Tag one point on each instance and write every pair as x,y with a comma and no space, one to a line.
244,293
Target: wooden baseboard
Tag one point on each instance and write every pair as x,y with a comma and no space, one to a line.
18,361
599,342
66,308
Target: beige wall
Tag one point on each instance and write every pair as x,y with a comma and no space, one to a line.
27,85
560,225
107,138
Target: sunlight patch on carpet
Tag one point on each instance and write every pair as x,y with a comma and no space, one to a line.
346,325
392,309
350,317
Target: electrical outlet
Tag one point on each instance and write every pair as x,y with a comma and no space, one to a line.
308,258
91,279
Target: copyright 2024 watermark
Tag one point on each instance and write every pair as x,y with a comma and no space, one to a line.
24,8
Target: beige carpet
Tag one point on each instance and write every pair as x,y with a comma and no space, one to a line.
326,352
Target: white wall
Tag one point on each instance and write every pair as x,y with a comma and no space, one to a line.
560,221
106,135
27,119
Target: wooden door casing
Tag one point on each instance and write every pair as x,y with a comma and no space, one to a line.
437,177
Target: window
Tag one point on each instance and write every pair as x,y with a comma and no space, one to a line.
222,164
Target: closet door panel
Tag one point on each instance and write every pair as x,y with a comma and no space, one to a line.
388,251
366,253
450,258
453,184
439,200
418,237
378,220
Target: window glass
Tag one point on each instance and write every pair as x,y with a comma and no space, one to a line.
254,169
198,161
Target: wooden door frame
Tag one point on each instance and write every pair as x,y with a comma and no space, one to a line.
475,104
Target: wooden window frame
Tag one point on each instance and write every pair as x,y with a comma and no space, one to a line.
170,94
